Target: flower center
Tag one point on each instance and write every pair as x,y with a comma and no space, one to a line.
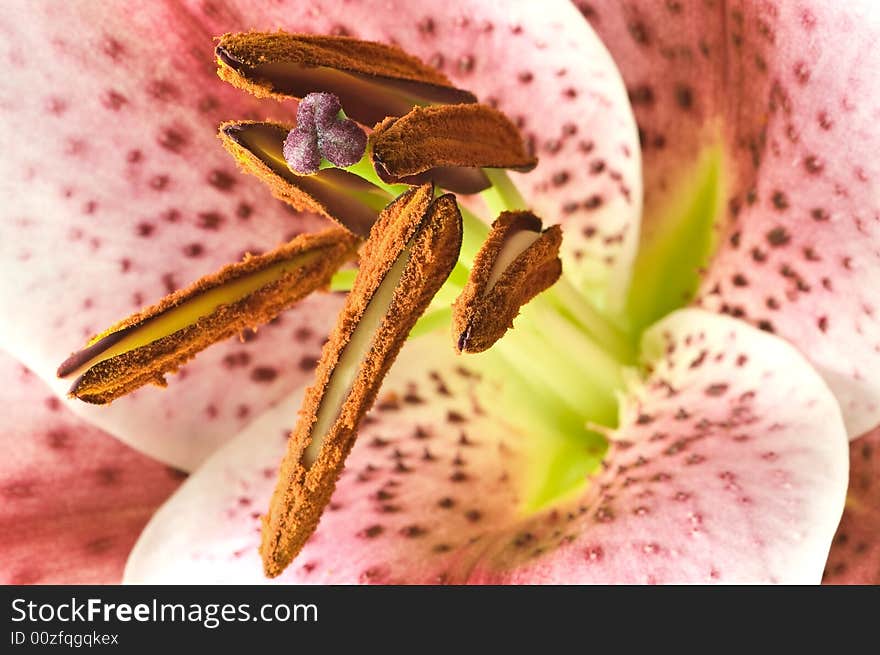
424,263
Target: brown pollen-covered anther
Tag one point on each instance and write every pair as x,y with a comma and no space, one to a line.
448,144
343,197
517,262
372,80
411,250
158,340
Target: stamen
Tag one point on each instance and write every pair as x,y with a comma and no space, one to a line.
372,80
504,196
411,251
339,195
449,144
323,131
517,262
158,340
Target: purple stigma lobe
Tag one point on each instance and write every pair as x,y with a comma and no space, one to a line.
301,150
320,132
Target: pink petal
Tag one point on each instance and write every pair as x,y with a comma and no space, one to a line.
73,498
729,466
793,89
855,553
423,460
748,487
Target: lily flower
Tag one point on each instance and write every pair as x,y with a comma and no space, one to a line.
674,405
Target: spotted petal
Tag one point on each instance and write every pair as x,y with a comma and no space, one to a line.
72,499
759,132
119,192
729,465
426,474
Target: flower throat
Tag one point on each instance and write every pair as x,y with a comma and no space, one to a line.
425,264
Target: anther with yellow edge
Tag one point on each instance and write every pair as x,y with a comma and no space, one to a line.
144,347
412,249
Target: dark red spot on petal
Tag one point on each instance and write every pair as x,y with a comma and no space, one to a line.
716,389
820,214
684,96
162,90
778,236
194,250
802,72
780,200
221,180
371,532
100,545
172,139
56,105
108,475
813,164
112,48
159,182
264,374
466,64
413,531
210,220
639,32
307,363
58,439
594,553
244,211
